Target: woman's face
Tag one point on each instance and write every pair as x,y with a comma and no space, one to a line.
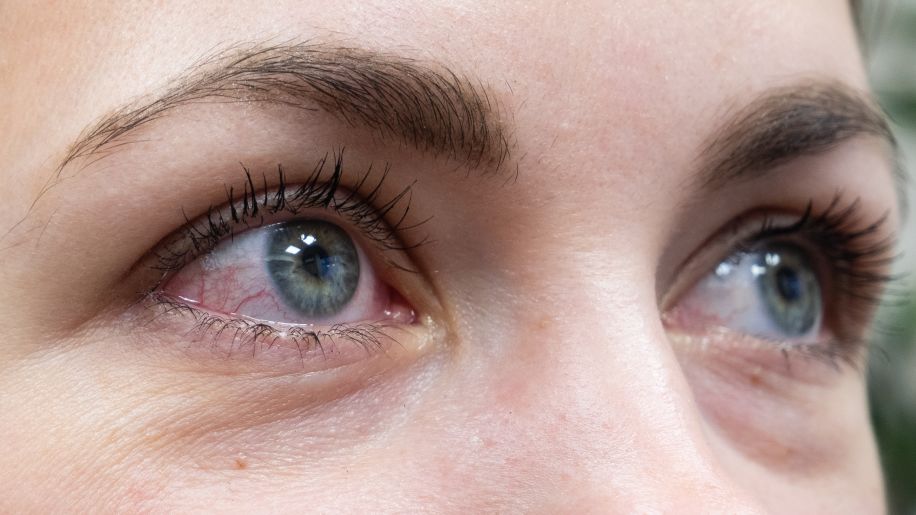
642,248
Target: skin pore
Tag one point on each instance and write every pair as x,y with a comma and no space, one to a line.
573,173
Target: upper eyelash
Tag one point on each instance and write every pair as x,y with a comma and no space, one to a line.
364,210
859,264
361,205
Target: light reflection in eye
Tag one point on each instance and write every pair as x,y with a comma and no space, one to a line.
320,277
770,292
294,272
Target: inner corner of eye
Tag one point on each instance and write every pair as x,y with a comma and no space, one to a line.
305,271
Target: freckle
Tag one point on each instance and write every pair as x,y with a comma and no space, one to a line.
240,464
755,380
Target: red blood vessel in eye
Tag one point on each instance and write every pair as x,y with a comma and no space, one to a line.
233,280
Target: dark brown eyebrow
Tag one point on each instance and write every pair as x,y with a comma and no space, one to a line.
425,105
789,122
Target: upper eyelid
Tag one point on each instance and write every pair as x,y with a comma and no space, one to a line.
360,202
847,314
439,110
760,225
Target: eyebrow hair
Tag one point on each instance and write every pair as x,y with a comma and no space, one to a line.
785,123
427,106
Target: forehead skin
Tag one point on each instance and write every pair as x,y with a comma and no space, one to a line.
610,100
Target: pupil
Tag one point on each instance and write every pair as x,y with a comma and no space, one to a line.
315,261
789,290
313,265
788,284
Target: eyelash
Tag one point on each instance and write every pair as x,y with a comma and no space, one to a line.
243,333
320,190
365,211
857,268
856,262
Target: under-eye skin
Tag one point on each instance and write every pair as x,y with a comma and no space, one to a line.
305,266
800,284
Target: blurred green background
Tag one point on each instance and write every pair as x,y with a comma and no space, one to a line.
890,36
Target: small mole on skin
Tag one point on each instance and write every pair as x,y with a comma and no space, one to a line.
240,464
755,379
544,322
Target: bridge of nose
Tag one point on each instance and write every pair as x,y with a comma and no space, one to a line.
578,399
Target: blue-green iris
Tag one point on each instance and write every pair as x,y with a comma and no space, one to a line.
314,266
789,288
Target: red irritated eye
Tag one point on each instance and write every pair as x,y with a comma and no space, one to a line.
304,271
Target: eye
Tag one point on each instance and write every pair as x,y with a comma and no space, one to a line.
314,266
770,291
303,271
308,271
808,282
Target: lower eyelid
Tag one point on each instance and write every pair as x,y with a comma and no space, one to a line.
769,406
236,344
231,280
814,363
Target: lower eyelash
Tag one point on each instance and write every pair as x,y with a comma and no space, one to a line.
834,352
243,334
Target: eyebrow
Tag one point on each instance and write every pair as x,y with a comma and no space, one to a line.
789,122
425,105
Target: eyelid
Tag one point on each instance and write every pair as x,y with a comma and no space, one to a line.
321,196
734,236
193,339
383,223
845,252
277,342
869,243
